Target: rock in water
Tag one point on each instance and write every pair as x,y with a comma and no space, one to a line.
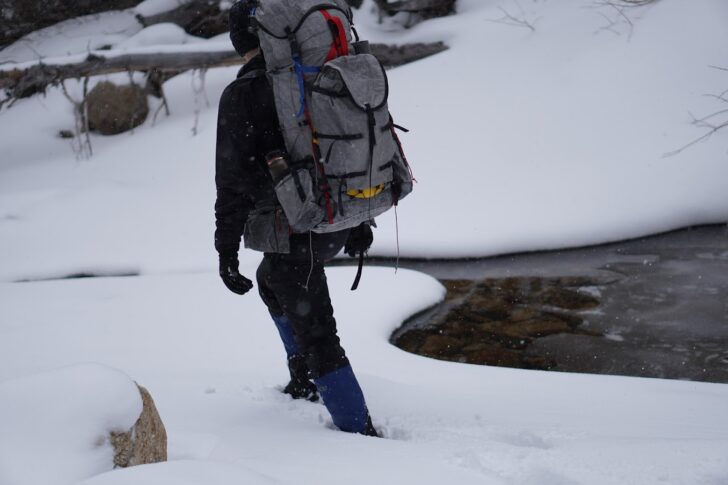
115,109
145,442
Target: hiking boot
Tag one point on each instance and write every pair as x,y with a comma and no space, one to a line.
302,389
370,430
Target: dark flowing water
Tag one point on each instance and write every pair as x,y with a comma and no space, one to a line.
652,307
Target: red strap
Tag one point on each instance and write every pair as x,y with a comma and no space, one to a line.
340,45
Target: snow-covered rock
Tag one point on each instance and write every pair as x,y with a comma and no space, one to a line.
57,426
145,442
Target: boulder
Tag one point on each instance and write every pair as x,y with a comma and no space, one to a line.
115,109
145,442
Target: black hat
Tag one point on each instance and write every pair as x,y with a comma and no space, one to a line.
240,33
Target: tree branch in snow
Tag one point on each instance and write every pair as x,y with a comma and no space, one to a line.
619,10
713,122
518,20
81,133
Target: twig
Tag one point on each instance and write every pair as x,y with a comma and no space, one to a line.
620,8
705,121
707,135
81,147
510,19
86,127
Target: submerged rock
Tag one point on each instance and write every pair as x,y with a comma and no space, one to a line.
494,321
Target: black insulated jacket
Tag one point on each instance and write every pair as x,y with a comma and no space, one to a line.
247,130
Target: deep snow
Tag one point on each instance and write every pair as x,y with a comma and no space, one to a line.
213,364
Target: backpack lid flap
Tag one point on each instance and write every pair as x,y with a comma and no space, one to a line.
362,75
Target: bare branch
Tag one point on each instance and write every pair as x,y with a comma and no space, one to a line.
707,135
81,147
698,121
719,97
514,20
86,127
706,122
620,16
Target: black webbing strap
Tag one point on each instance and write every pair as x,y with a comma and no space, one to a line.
350,175
344,137
299,186
329,92
358,272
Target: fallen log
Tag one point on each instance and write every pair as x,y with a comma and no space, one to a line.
26,81
20,83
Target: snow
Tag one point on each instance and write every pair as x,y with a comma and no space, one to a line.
520,141
546,139
214,366
56,424
159,34
553,138
182,472
147,8
73,36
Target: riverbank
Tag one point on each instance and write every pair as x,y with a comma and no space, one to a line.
649,307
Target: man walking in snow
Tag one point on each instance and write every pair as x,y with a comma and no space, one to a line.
291,279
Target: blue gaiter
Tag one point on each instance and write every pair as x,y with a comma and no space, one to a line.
344,399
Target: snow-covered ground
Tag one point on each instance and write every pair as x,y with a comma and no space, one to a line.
520,140
212,361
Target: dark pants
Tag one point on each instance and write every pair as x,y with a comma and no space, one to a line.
294,285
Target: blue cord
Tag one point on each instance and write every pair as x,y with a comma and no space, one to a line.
300,71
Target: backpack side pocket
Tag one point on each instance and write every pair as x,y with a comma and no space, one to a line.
297,195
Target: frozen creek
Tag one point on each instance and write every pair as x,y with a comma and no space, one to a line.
650,307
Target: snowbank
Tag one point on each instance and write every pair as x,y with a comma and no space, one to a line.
56,424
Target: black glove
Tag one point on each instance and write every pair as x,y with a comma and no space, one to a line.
230,275
360,240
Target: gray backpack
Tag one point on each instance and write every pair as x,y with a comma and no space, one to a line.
345,164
